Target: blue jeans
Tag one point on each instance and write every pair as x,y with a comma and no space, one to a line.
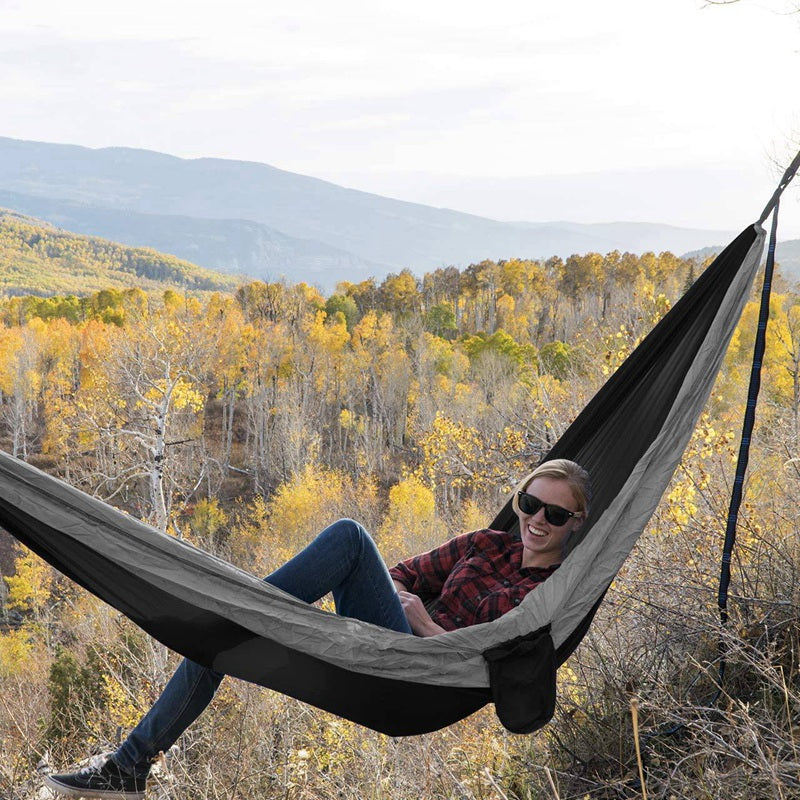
343,560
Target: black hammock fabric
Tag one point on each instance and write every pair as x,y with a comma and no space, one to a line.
630,438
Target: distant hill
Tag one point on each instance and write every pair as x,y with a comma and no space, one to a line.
235,215
233,246
787,256
36,258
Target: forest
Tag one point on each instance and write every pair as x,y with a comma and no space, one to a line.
39,259
246,420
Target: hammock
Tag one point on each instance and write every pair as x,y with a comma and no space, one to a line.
630,437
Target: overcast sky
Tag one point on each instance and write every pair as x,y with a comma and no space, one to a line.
651,110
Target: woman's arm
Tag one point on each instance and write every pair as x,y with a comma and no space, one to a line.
425,574
417,615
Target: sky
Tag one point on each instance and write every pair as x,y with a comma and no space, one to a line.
671,111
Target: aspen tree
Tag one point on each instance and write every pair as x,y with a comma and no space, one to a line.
143,404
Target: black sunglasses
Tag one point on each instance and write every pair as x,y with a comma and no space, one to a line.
555,515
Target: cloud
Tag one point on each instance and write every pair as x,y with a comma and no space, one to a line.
463,88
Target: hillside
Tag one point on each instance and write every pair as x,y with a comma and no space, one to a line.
787,257
279,413
233,246
36,258
364,231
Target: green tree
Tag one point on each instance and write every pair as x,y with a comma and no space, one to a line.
440,320
556,359
345,305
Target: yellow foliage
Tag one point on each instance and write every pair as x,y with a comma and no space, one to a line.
505,310
394,399
246,540
10,344
459,456
618,346
207,518
473,517
29,587
681,503
686,503
120,709
39,259
437,354
373,334
328,335
410,525
352,422
463,393
572,689
308,502
366,329
16,653
187,396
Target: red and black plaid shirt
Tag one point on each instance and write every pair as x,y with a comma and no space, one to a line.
473,578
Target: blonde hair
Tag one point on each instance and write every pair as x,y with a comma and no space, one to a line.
575,475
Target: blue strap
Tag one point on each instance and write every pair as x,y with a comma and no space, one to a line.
747,426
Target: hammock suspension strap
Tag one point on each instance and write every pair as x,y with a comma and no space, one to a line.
747,427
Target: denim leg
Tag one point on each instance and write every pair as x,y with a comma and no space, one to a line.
343,560
184,698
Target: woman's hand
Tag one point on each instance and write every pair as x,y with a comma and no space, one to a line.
417,615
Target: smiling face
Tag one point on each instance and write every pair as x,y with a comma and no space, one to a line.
542,541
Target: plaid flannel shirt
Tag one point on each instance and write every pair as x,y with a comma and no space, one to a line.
472,578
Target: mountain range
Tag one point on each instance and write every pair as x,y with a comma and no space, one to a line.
39,259
254,219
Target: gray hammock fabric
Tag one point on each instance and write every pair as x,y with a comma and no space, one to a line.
630,437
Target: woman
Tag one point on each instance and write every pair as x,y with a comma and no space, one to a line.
472,578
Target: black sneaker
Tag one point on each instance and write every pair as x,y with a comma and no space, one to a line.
106,781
